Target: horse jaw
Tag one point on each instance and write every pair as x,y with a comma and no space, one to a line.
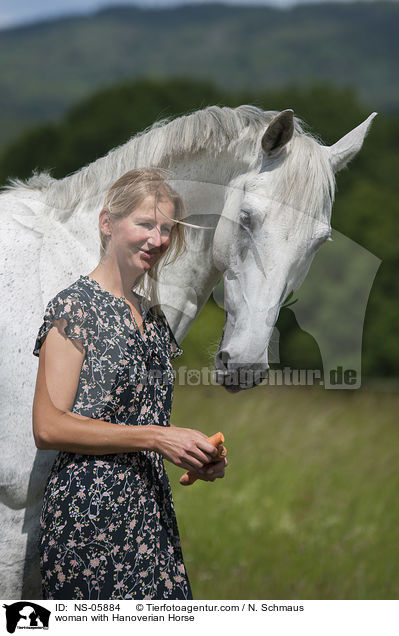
252,304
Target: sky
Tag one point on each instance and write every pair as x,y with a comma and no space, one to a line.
15,12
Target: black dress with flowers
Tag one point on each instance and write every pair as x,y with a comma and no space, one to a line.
108,528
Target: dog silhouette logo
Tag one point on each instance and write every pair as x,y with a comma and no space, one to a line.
26,615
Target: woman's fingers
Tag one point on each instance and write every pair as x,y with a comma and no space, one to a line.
207,449
195,465
213,471
217,470
201,456
202,450
187,448
215,474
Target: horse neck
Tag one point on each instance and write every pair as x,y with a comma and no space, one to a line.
202,179
203,183
93,181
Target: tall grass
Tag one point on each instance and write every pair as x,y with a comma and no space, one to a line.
308,508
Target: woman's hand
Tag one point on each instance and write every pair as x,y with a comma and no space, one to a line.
185,447
212,471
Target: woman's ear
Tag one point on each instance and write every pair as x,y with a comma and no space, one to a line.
104,222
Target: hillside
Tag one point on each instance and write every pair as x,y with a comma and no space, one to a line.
47,66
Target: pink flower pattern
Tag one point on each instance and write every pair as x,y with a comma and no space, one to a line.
108,527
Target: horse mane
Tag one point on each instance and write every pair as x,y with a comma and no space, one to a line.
307,181
213,129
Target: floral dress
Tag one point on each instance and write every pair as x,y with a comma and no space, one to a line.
108,528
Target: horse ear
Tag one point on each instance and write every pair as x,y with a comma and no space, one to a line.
278,132
346,148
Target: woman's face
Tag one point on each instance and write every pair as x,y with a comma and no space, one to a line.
141,238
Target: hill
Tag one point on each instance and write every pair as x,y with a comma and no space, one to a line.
47,66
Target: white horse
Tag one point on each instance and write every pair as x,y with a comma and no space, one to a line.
255,176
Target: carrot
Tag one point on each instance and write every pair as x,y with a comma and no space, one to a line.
217,441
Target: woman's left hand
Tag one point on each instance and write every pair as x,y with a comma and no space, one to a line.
211,471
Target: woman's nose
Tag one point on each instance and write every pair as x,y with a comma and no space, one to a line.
155,237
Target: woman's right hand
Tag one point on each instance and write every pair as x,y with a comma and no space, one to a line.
185,447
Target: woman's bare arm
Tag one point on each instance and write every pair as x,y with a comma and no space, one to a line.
55,427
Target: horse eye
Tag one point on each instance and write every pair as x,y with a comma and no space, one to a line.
245,219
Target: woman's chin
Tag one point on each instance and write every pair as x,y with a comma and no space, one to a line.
147,263
142,263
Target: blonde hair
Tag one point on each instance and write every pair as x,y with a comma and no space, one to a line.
124,196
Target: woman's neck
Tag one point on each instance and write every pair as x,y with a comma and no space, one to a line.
115,281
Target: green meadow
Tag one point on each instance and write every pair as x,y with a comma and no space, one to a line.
308,507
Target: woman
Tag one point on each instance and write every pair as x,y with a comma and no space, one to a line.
103,398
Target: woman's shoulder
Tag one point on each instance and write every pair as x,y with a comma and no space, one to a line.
77,293
76,301
70,304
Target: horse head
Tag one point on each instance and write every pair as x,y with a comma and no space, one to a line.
274,220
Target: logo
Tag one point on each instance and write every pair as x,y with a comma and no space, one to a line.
26,615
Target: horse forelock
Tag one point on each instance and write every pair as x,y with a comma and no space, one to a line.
306,181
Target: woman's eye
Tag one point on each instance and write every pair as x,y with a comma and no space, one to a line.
164,229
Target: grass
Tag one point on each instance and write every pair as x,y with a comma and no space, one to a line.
308,506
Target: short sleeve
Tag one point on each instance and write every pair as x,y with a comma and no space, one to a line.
74,311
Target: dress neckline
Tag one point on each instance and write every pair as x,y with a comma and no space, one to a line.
122,300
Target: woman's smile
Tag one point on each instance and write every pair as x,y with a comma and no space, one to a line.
144,235
149,255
